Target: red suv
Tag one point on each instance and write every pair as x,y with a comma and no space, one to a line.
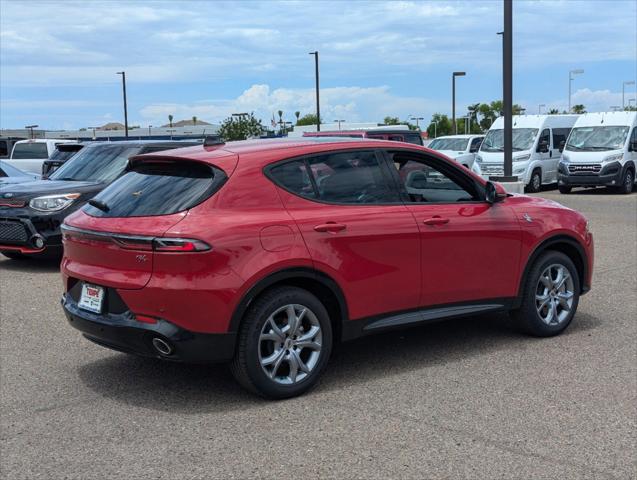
267,253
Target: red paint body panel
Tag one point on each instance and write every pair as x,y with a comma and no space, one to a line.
385,259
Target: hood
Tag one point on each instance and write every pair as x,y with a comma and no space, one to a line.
588,157
13,180
38,188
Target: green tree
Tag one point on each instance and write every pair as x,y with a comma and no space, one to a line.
309,119
194,120
392,121
297,114
240,127
554,111
440,125
170,121
630,108
579,108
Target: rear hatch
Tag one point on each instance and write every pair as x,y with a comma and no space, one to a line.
113,239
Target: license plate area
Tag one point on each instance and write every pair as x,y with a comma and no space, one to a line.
92,298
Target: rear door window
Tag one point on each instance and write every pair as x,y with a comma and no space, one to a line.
157,188
29,151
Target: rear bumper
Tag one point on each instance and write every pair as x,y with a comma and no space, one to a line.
122,332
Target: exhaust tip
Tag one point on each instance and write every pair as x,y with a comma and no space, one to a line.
162,346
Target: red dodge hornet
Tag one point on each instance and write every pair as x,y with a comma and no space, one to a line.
264,254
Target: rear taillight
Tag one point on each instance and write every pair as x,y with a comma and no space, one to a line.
179,245
136,242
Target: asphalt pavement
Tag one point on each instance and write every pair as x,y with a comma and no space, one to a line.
468,398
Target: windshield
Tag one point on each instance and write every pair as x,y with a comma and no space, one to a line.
459,144
62,154
592,139
523,139
100,163
29,150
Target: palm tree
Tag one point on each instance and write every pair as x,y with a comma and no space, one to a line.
297,114
194,120
579,108
554,111
170,121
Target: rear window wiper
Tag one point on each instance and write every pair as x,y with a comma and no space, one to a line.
99,205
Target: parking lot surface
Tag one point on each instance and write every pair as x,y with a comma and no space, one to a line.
468,398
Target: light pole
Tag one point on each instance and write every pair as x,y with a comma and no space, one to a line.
149,127
171,131
316,76
93,128
578,71
123,74
453,99
435,128
631,82
339,123
539,108
507,89
31,127
417,119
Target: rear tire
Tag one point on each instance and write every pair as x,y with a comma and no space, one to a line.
565,190
284,344
550,296
535,184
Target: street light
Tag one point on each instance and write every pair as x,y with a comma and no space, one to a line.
435,128
631,82
339,123
539,108
123,74
316,76
578,71
31,127
416,118
453,99
93,128
149,127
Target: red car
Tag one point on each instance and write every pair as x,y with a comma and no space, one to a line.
267,253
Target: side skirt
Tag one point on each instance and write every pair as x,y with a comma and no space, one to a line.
357,328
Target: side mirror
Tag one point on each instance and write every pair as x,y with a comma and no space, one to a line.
491,194
562,144
633,146
543,147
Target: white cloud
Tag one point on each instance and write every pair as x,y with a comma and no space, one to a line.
353,104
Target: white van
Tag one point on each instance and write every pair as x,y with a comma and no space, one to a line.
461,148
536,148
601,151
28,155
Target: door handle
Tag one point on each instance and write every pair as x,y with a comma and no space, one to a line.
331,227
436,220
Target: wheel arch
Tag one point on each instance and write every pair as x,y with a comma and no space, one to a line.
314,281
565,244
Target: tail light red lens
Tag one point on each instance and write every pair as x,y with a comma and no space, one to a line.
179,245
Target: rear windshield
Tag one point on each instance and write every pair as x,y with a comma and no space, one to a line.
157,189
30,150
458,144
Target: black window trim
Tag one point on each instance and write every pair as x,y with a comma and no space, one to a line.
443,166
387,175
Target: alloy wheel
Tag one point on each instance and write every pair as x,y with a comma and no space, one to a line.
290,344
554,294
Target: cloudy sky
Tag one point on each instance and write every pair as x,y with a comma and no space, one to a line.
58,59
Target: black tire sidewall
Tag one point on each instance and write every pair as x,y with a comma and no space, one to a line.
627,187
531,187
565,190
254,324
529,317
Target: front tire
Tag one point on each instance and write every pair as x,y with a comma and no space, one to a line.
627,183
285,341
564,190
535,184
550,296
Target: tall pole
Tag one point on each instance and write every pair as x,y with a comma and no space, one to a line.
507,84
632,82
316,76
570,81
123,74
453,99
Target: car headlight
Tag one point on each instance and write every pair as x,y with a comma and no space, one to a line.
53,203
522,158
614,158
478,159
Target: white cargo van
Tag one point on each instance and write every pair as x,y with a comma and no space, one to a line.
601,151
461,148
28,155
536,148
